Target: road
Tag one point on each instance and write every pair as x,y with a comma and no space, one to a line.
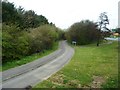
38,70
113,39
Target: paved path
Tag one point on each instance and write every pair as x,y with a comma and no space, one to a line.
39,70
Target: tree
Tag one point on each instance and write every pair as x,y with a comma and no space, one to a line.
117,30
42,20
0,12
20,17
29,19
9,13
32,20
83,32
102,25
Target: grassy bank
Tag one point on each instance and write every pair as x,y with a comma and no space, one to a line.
90,67
28,59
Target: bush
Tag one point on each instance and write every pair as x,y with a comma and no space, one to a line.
18,43
14,43
42,38
83,32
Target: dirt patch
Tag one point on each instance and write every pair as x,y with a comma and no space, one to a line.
97,82
58,78
74,83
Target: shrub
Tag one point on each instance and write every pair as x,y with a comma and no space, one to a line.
14,43
42,38
17,43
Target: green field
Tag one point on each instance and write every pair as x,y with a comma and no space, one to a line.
28,59
90,67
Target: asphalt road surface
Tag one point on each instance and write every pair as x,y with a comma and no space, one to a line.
113,39
32,73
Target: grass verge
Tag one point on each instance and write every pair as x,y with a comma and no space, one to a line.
0,68
90,67
28,59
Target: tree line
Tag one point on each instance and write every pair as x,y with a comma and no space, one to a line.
20,17
25,33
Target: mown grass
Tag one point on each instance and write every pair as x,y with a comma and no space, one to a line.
89,61
28,59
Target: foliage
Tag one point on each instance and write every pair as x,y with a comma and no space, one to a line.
102,24
25,32
117,30
61,34
17,43
0,46
103,21
9,12
14,43
83,32
20,17
105,34
42,38
27,59
32,20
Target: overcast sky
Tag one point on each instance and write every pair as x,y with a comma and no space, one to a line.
63,13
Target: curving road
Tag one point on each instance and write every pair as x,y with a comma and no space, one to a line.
38,70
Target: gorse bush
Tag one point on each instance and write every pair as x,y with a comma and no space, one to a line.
18,43
83,32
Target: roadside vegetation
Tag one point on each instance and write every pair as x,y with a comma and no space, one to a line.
26,36
0,46
28,59
90,67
